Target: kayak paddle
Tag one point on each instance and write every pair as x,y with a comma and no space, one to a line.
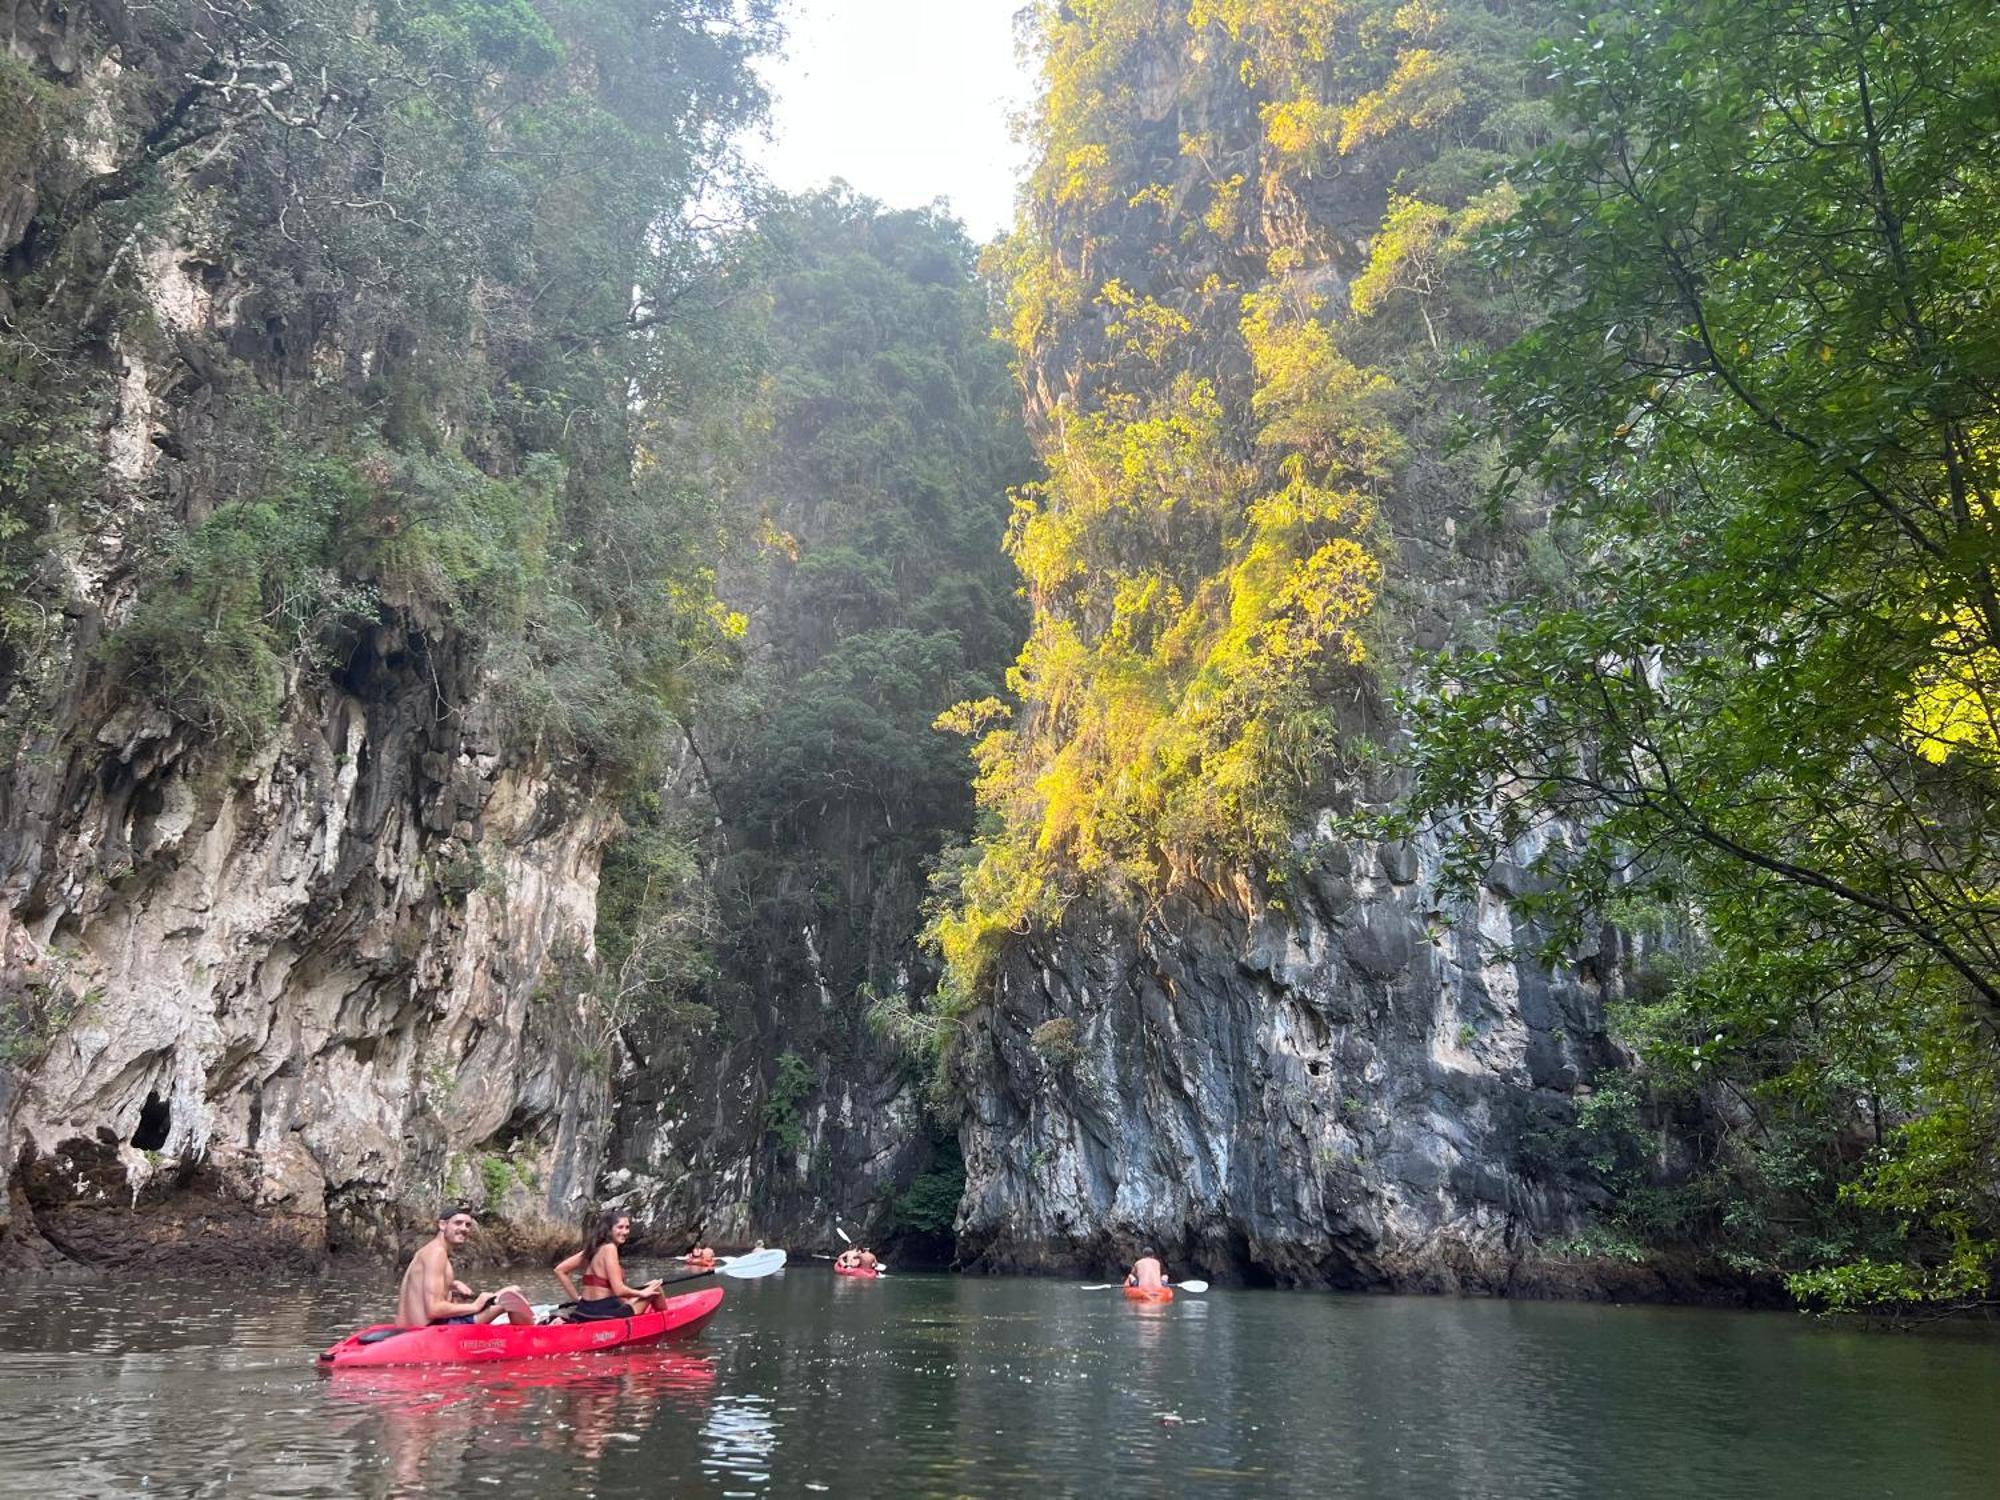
750,1267
1186,1286
742,1267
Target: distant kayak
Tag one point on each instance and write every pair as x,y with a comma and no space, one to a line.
1149,1293
480,1343
868,1272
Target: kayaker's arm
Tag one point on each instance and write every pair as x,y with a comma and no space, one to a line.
460,1309
563,1268
618,1286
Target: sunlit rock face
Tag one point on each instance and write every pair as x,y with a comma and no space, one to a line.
1340,1080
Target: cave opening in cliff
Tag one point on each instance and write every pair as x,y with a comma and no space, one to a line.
156,1122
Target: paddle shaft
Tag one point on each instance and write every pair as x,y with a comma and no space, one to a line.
1195,1286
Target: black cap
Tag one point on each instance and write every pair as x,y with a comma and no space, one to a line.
453,1210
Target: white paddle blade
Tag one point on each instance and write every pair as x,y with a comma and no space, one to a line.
1192,1286
750,1267
1102,1286
843,1235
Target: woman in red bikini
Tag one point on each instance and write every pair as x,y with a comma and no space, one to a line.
605,1293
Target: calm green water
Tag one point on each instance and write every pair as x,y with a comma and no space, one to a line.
928,1385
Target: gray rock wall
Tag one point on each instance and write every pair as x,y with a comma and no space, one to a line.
1329,1088
297,995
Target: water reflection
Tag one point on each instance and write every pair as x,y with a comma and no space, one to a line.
429,1422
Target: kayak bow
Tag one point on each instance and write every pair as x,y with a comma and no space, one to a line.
867,1272
1149,1294
481,1343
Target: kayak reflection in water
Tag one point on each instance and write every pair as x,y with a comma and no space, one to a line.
605,1293
431,1294
1146,1273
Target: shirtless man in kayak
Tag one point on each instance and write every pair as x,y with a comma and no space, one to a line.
867,1259
1146,1273
431,1294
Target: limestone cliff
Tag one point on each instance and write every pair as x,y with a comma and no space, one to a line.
288,1015
316,695
1338,1092
1204,1010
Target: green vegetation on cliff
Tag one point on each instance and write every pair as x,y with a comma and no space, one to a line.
379,318
864,507
1228,384
1726,268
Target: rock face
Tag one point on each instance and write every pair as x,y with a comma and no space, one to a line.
1331,1091
299,990
874,594
1338,1080
716,1138
266,1000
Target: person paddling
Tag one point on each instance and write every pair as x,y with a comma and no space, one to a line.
431,1294
868,1262
605,1293
848,1259
1147,1274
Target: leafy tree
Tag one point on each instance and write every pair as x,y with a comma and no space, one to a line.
1761,691
865,510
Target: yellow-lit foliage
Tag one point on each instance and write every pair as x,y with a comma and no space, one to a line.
1416,247
1201,558
1955,708
1420,93
1310,396
1144,327
1297,126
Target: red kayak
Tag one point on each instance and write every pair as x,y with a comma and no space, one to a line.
479,1343
1149,1294
866,1271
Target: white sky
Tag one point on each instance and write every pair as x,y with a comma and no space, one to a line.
907,100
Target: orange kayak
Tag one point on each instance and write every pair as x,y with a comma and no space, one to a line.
478,1343
1149,1294
868,1272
